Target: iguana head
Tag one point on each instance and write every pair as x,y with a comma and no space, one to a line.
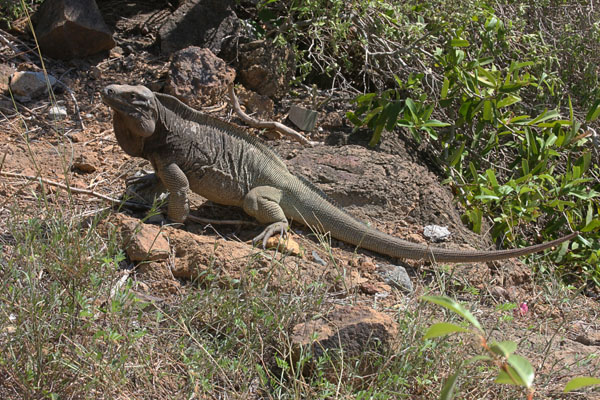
135,115
134,104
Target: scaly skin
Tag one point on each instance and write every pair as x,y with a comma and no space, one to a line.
219,161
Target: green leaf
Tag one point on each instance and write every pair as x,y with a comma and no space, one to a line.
546,115
523,368
455,156
412,107
591,226
504,349
487,110
508,100
459,43
479,357
511,378
449,386
435,123
443,329
452,305
376,135
594,112
393,111
445,88
491,175
581,382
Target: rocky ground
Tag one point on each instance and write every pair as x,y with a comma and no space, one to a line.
388,187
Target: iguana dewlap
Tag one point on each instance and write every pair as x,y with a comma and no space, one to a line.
221,162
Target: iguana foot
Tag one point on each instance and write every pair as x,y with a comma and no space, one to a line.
276,227
145,180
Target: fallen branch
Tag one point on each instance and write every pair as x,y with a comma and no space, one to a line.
130,204
279,127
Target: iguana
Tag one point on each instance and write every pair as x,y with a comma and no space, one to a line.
221,162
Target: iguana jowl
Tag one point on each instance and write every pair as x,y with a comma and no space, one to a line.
193,151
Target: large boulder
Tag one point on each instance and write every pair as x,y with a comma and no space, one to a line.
263,67
69,29
204,23
198,77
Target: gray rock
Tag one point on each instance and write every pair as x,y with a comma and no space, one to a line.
27,85
204,23
69,29
198,77
396,276
303,118
57,113
436,233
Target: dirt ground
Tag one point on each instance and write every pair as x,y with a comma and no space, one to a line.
555,333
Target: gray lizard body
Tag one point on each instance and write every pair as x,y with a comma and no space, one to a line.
193,151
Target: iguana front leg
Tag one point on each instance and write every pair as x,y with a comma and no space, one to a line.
262,203
178,186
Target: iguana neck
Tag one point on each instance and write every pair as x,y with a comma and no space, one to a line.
128,139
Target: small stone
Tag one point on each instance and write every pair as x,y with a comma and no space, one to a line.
318,259
436,233
116,52
396,276
57,113
95,72
303,118
287,245
499,293
372,288
85,163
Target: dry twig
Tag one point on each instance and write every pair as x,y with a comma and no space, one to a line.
279,127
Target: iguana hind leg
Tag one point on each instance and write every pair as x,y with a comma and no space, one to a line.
262,203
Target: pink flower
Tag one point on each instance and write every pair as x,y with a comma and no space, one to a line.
521,310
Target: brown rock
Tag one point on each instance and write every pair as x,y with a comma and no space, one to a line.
372,288
69,29
196,255
198,77
85,163
287,245
357,329
265,68
255,103
143,242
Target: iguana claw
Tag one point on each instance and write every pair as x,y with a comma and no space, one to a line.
276,227
144,180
